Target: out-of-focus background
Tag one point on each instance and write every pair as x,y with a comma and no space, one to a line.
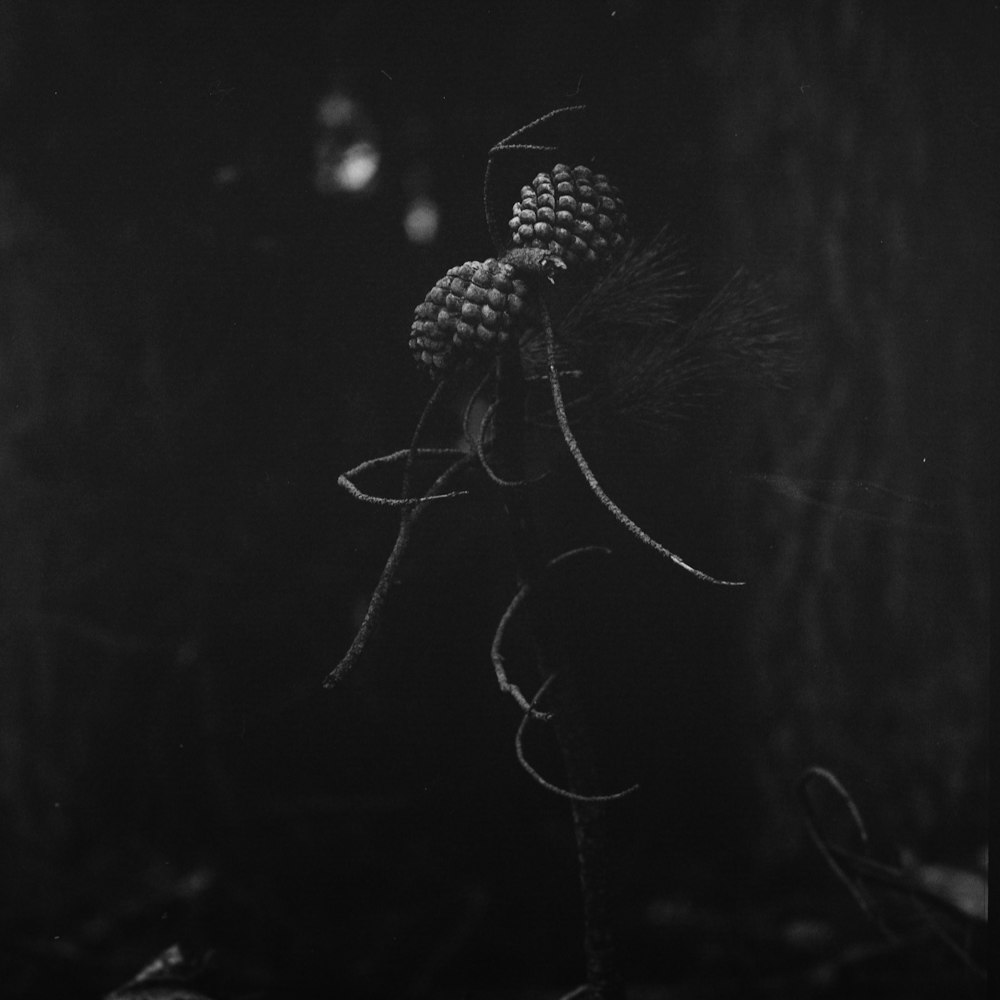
215,221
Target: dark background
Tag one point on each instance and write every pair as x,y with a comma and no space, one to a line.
196,338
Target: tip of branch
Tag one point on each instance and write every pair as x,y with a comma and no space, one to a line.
334,676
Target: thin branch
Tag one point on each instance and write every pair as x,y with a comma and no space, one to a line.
822,843
506,685
496,235
506,143
864,868
961,953
923,899
372,615
900,881
345,479
555,789
822,774
518,599
484,461
571,553
417,432
521,147
595,486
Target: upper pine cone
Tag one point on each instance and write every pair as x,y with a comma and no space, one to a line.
475,306
573,213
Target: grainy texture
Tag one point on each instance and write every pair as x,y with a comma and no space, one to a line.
868,632
194,340
475,308
574,214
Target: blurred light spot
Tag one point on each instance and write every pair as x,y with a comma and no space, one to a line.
422,221
967,891
347,155
358,167
350,170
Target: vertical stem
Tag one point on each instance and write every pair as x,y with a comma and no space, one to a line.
570,719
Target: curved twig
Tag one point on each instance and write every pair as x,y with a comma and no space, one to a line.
545,783
865,868
345,479
404,490
823,845
406,522
927,903
507,686
596,488
899,881
506,143
822,774
496,235
494,477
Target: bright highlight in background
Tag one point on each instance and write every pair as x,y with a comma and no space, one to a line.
422,220
357,168
347,157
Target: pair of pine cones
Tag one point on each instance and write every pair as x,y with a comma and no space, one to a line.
570,214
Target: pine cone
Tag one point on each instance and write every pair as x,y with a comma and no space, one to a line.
574,214
474,307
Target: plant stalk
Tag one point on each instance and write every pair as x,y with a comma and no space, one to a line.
570,719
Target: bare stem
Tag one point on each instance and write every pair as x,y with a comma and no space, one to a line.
496,651
372,616
530,710
570,722
596,488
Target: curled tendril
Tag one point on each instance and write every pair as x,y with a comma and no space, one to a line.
418,431
345,479
544,782
506,686
820,774
484,461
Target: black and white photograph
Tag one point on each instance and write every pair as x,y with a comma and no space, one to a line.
495,499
